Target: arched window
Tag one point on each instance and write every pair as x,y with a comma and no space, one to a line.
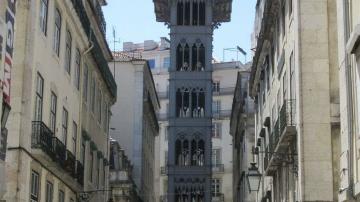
201,149
180,13
201,58
190,102
194,57
179,57
187,13
202,13
195,15
178,152
193,153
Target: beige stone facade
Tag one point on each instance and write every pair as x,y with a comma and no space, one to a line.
348,20
294,82
61,95
134,123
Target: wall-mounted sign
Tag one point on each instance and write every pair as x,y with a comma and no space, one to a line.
10,22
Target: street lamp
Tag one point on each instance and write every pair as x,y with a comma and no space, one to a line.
253,178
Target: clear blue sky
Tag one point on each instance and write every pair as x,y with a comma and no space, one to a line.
135,21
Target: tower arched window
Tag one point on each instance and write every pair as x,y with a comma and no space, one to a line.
180,13
190,13
190,102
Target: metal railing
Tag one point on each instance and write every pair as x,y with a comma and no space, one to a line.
163,170
221,114
163,94
224,91
42,138
70,163
218,197
287,115
218,168
79,172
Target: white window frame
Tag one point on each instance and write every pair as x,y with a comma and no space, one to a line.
34,186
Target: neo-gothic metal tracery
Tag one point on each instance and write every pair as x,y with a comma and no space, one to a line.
190,102
191,12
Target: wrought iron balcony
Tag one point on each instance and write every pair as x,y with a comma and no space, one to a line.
218,168
99,16
162,116
42,138
223,91
163,94
218,197
70,163
60,151
79,172
163,198
163,170
283,134
221,114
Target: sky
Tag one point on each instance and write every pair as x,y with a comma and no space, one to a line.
135,21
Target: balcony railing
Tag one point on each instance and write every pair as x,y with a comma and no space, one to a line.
70,163
79,172
221,114
163,116
283,133
218,197
163,170
42,138
224,91
163,94
163,198
218,168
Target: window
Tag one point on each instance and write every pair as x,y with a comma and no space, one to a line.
216,156
215,187
53,106
292,76
77,69
74,137
34,189
61,196
82,154
98,172
99,102
285,85
106,119
290,7
49,192
167,63
57,32
151,63
68,52
39,98
93,91
216,86
64,126
216,130
85,84
216,106
91,165
44,4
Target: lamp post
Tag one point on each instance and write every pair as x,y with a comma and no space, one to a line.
253,177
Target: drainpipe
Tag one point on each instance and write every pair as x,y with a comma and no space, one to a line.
81,89
349,103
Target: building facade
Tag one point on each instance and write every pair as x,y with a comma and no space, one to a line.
294,83
123,188
136,132
190,94
348,21
242,131
7,22
61,94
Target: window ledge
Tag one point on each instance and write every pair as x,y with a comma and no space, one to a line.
354,40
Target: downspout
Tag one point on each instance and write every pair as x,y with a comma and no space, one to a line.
300,145
82,87
349,107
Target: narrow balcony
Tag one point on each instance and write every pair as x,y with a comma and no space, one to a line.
70,163
79,172
164,95
221,114
218,168
163,170
223,91
42,138
283,134
218,197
